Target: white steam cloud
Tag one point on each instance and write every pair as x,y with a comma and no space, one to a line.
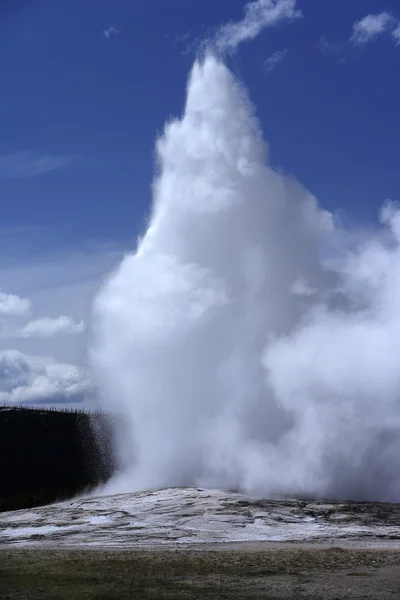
237,357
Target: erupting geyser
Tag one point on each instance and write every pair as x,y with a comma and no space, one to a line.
241,350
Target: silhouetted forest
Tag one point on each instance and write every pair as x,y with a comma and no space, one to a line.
48,455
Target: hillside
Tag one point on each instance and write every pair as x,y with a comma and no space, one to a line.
49,455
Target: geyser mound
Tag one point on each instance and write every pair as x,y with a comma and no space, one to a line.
238,356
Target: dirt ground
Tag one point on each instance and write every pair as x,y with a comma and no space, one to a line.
241,572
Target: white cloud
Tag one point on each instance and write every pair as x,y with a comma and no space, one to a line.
13,305
259,15
370,27
396,35
111,31
25,378
274,60
60,282
47,327
28,164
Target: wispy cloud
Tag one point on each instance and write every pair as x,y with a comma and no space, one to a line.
12,305
259,15
47,327
28,164
274,60
370,27
396,35
181,38
328,47
111,31
188,41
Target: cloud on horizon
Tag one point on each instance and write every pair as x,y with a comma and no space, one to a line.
259,15
66,280
35,379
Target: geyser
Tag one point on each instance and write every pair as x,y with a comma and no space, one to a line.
239,345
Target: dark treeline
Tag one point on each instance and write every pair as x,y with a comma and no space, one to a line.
48,455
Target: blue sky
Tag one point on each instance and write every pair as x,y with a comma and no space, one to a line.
81,105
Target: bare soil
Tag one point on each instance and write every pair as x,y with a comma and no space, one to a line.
245,572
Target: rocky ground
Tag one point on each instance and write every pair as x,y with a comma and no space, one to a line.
195,516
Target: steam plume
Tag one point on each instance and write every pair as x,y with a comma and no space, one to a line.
238,355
